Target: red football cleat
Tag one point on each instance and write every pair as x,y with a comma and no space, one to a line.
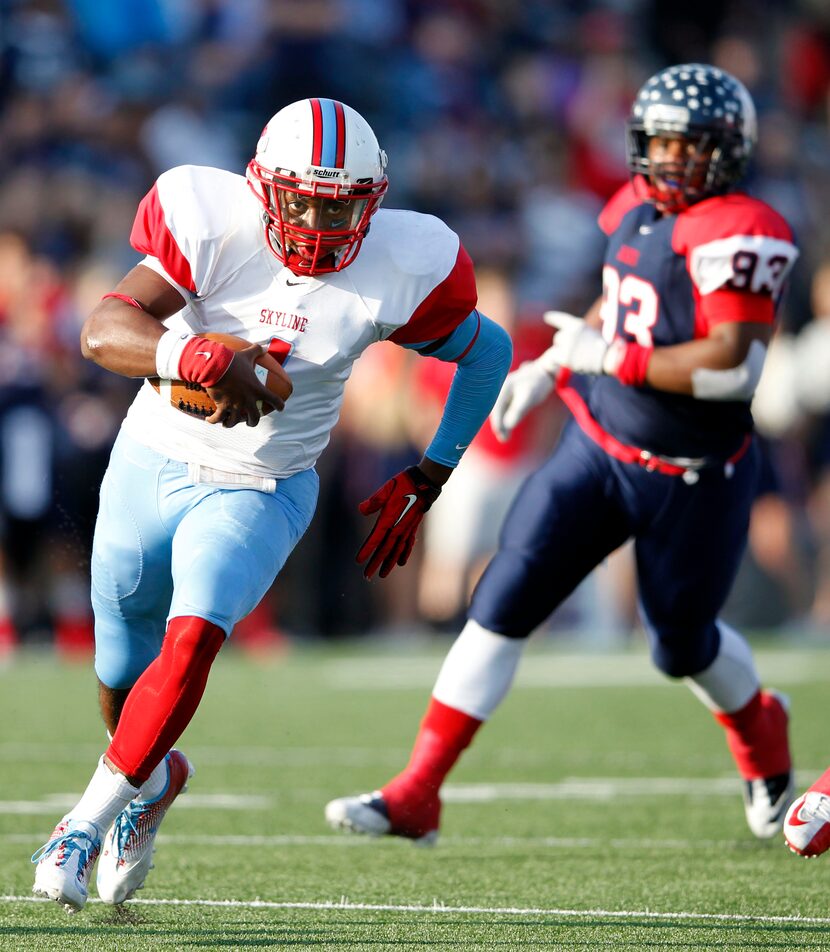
369,813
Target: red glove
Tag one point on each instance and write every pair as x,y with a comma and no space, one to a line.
402,502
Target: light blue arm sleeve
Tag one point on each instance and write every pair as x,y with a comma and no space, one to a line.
483,351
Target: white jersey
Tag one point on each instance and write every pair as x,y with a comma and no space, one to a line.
202,230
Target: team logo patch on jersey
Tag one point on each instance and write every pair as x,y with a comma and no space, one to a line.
628,255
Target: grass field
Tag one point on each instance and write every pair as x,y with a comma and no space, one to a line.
599,809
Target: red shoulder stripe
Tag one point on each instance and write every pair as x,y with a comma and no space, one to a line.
724,216
617,207
151,236
445,307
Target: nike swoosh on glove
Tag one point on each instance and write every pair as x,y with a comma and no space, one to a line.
402,502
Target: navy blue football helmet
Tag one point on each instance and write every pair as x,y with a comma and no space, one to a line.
709,109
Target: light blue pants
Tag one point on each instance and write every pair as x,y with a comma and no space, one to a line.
164,548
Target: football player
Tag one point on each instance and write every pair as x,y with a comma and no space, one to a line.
197,516
659,376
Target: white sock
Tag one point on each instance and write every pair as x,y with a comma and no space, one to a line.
478,671
730,681
155,784
104,798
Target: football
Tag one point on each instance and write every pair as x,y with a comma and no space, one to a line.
193,399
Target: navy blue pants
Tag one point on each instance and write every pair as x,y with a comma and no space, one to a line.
581,505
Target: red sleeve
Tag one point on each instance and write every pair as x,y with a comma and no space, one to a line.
152,236
618,206
724,216
445,307
721,218
737,307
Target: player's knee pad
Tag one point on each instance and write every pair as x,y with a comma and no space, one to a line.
118,672
512,598
680,651
123,651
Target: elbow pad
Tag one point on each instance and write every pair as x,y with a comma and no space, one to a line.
736,383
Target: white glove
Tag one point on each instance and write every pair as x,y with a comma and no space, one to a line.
526,387
576,345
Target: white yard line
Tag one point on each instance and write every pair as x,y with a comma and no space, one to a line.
441,908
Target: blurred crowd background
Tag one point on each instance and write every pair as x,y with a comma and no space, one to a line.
503,117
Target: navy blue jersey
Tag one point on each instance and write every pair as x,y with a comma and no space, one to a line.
668,279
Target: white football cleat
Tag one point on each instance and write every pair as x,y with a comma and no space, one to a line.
364,814
64,863
127,853
807,824
765,801
369,815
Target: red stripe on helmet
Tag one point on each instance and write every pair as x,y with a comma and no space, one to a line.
317,124
340,157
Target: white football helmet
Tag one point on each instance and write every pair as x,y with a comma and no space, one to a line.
319,174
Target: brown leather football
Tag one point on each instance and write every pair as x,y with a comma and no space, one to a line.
193,399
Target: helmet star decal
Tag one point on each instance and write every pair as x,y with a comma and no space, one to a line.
712,117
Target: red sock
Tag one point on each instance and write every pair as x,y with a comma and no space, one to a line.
165,697
757,737
412,796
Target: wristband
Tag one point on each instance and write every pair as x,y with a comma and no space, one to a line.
628,362
169,353
428,490
204,361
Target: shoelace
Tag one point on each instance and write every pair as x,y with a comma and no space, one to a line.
126,826
68,843
818,805
126,823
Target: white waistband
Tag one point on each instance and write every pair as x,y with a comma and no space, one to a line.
221,479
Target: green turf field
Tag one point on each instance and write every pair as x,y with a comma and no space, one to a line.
598,810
